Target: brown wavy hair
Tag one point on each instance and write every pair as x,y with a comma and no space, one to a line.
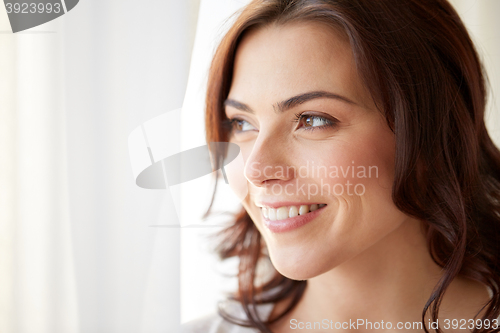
420,66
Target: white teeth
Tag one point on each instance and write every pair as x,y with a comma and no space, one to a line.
285,212
304,209
272,214
282,213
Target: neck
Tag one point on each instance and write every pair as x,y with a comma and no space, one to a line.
394,277
390,281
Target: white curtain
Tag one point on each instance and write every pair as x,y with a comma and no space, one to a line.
37,273
77,253
77,250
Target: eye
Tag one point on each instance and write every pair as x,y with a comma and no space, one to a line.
311,121
239,125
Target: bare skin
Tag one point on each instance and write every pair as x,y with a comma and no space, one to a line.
362,257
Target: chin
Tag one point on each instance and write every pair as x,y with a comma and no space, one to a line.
294,272
298,265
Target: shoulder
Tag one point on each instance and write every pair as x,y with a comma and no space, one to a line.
214,323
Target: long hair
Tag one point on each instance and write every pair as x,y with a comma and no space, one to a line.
421,67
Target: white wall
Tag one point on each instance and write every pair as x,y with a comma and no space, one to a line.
202,281
481,19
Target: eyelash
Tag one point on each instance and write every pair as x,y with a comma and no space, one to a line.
329,122
229,124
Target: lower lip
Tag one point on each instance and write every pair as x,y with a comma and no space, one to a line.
292,223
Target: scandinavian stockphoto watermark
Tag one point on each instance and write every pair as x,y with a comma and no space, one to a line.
26,14
312,180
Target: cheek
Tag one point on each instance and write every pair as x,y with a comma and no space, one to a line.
360,173
368,158
369,211
347,168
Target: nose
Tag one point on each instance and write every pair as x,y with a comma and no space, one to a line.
267,162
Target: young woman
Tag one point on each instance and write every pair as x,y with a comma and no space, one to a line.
373,185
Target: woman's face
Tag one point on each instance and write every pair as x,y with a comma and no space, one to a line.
319,156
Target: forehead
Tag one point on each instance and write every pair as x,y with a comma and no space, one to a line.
276,62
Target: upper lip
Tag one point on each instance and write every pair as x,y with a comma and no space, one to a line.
277,204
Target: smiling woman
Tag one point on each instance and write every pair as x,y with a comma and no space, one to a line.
392,94
330,120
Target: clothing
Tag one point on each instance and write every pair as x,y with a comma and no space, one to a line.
216,324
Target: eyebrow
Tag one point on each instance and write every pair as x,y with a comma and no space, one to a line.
291,102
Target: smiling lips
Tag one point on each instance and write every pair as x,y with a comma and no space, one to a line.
286,218
286,212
